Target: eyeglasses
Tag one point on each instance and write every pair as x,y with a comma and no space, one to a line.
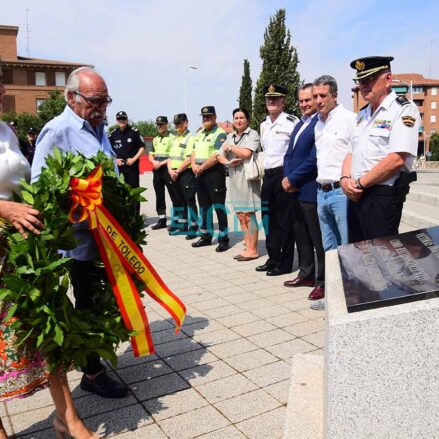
95,101
121,118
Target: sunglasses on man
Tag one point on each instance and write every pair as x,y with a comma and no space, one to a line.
95,101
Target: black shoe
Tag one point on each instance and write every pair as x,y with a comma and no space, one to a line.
202,242
265,267
277,272
160,225
222,247
104,386
191,235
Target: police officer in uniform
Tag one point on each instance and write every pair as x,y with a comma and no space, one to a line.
276,213
179,167
378,167
159,156
128,146
211,180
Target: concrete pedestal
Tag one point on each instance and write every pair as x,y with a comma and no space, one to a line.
381,367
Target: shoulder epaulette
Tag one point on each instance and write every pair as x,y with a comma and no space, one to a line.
291,118
402,100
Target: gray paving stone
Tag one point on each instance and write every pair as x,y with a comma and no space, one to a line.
251,360
289,319
269,425
202,327
269,374
298,305
311,313
169,406
207,372
212,303
271,338
177,347
272,311
144,371
149,432
193,424
188,360
159,386
279,390
305,328
224,311
230,432
226,388
254,304
287,349
254,328
166,336
237,319
247,406
231,348
34,420
317,339
216,337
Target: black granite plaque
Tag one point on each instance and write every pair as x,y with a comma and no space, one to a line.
390,270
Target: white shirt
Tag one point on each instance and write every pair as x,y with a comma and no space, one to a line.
306,121
275,137
332,140
13,164
392,128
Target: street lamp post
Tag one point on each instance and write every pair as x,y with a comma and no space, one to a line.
410,84
185,85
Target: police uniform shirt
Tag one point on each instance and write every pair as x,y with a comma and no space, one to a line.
393,128
332,142
126,143
275,138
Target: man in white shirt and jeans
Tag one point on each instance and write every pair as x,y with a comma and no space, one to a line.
333,133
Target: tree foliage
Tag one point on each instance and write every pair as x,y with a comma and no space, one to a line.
53,106
22,122
245,92
146,128
434,147
279,66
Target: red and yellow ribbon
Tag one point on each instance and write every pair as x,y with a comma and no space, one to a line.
122,257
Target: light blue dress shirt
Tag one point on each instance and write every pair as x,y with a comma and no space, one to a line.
71,133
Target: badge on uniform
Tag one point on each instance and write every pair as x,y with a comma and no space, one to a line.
129,140
408,121
381,123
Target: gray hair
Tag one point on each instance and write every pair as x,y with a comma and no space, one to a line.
327,80
73,81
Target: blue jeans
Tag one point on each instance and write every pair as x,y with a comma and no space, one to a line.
332,210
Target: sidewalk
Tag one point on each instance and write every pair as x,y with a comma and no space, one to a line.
224,376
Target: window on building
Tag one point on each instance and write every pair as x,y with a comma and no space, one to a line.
433,105
39,102
418,89
433,118
60,79
40,78
433,91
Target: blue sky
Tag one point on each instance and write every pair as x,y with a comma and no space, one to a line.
142,47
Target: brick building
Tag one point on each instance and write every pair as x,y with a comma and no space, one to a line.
425,94
28,80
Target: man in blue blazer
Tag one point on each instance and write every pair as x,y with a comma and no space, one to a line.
300,172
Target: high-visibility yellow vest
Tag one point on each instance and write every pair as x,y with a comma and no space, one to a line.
161,147
206,142
181,148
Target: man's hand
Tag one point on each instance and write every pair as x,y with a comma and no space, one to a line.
22,217
197,169
174,174
155,164
234,162
286,185
120,162
130,161
349,186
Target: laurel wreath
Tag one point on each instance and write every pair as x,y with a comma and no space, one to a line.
36,277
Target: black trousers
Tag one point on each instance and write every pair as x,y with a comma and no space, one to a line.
185,206
211,192
277,220
132,177
309,238
376,214
84,275
160,180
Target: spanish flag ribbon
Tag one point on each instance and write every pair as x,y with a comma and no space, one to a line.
121,258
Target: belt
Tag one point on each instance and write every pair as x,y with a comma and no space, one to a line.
274,171
329,186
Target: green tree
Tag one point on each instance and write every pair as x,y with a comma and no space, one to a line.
245,92
22,122
434,147
146,128
279,66
51,107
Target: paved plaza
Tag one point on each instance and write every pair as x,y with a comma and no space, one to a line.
225,375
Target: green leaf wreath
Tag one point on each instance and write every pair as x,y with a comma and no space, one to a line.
36,276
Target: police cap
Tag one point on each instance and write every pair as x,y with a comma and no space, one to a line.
179,118
208,110
275,90
31,130
121,115
370,65
161,120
